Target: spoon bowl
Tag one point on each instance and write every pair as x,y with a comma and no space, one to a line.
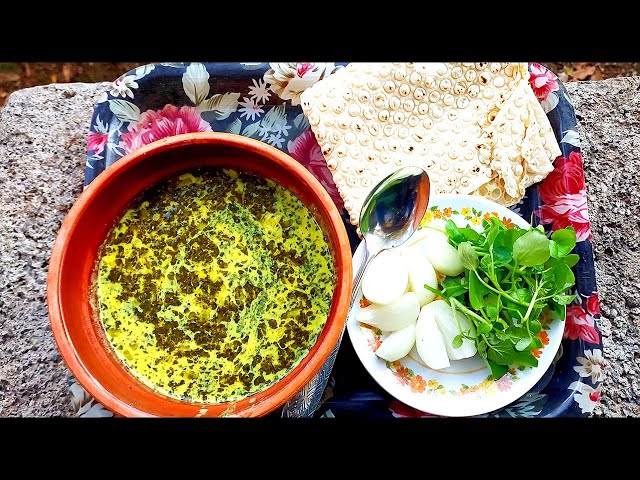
391,213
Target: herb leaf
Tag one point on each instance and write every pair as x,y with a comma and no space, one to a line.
453,233
477,290
471,235
562,242
454,286
467,256
523,343
531,249
571,260
512,275
497,370
564,299
503,245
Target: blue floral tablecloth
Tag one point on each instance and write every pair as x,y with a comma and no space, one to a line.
261,101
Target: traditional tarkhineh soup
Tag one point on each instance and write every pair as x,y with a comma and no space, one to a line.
214,285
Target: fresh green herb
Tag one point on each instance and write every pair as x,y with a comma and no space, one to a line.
512,275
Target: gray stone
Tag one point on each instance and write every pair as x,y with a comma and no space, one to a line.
42,154
43,138
608,114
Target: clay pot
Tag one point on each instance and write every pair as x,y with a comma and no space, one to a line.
76,329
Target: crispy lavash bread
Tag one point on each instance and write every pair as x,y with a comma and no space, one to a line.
474,127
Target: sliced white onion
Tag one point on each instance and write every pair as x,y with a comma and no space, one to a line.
421,272
429,342
443,257
398,344
448,327
393,316
386,278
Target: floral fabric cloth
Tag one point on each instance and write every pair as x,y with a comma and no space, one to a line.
261,101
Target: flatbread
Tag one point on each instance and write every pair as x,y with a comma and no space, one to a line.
476,128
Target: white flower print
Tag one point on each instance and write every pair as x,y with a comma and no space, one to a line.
84,405
591,365
282,128
260,91
263,130
516,208
529,405
289,80
585,396
251,65
100,126
143,70
250,109
276,140
122,86
550,103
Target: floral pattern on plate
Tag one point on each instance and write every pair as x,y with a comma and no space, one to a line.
417,384
260,100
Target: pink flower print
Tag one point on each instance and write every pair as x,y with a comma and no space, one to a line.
542,81
154,125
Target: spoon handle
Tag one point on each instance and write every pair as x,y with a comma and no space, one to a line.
360,274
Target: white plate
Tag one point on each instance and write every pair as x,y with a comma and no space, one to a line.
465,388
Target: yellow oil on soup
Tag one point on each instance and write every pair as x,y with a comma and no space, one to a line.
214,285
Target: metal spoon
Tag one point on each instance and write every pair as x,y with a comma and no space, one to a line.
391,213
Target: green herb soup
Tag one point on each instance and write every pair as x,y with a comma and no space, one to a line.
214,285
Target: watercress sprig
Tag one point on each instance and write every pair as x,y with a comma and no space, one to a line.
511,276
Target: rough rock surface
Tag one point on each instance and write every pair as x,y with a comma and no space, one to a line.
42,146
608,114
43,137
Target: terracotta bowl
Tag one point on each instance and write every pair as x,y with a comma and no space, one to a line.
79,334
